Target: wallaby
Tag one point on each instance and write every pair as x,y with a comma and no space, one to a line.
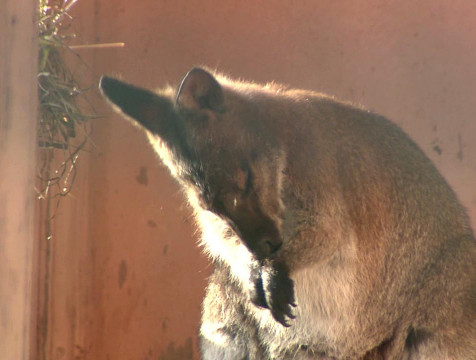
332,235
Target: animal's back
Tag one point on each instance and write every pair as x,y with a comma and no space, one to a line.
402,264
380,250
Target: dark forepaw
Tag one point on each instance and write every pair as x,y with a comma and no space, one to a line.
257,294
279,293
274,290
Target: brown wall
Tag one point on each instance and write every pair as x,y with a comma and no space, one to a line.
18,245
412,61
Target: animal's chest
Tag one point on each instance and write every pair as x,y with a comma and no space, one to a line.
327,302
326,313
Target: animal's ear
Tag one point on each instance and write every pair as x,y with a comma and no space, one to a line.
199,90
147,108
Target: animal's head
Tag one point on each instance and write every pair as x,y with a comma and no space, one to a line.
218,144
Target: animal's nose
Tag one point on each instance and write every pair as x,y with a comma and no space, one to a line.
267,246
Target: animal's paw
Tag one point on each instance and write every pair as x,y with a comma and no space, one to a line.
279,292
257,294
274,290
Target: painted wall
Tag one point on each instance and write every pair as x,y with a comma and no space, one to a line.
18,244
411,61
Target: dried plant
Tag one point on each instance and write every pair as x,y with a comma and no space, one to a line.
63,133
63,129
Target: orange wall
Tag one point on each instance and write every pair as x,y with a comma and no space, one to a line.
411,61
18,137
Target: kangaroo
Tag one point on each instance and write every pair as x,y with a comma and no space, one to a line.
331,233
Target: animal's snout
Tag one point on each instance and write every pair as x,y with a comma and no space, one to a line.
267,246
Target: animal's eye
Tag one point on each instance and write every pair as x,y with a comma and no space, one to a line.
233,201
244,180
248,183
240,178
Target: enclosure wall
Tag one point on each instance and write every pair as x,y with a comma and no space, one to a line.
135,252
18,119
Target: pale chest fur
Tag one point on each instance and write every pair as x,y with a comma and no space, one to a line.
325,295
328,310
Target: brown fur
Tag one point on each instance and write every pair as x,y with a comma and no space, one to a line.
302,198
